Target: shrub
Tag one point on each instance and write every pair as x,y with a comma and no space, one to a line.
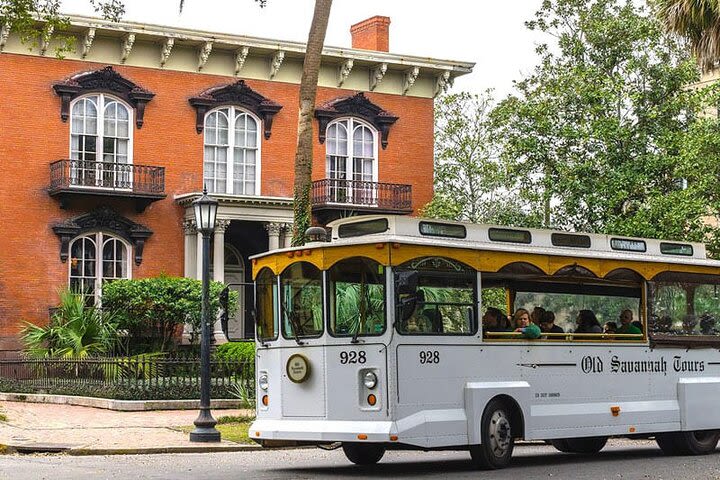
75,331
236,351
154,308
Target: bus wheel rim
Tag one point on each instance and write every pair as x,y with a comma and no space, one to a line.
499,433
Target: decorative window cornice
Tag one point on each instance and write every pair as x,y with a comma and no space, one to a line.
107,220
238,94
359,106
105,80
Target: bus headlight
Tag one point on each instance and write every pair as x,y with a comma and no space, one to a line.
370,380
263,382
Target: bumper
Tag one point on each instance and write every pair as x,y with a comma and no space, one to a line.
322,431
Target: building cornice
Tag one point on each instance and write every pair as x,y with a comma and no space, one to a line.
349,68
186,199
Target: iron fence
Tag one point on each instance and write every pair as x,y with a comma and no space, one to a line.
139,377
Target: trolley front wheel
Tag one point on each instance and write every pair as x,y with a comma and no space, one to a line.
496,436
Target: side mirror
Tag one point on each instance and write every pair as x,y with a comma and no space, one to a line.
406,306
406,283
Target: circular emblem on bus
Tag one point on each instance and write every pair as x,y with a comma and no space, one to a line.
298,368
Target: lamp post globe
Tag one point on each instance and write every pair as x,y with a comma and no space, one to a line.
205,213
205,209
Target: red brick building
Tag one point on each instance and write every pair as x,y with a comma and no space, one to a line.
103,151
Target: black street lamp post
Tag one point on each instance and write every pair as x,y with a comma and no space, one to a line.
205,214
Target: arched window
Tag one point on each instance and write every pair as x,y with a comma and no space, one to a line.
96,258
232,144
351,161
100,142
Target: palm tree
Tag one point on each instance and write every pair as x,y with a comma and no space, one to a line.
699,22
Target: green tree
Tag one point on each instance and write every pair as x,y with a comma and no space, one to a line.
471,181
605,135
699,22
153,310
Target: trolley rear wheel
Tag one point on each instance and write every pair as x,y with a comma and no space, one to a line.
363,453
699,442
580,445
496,436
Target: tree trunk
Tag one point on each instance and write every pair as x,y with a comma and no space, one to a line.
308,90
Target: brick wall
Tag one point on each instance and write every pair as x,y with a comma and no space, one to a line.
32,136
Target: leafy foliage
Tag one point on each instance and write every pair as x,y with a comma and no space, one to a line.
236,351
605,132
699,22
152,310
74,331
471,182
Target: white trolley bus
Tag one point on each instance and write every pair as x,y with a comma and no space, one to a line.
374,340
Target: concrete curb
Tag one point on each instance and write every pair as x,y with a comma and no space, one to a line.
118,405
78,452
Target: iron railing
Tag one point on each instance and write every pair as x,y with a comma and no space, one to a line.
385,196
140,376
125,177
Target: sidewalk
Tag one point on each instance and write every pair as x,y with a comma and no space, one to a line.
37,427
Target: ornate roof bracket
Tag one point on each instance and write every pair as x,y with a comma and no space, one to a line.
240,57
204,55
87,42
377,74
106,219
166,50
4,35
45,38
103,80
357,106
409,78
126,48
344,71
442,83
275,63
239,94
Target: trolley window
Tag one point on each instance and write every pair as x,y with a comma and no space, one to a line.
435,296
267,319
301,301
356,296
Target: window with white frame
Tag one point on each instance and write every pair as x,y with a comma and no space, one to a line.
100,142
232,152
351,161
97,258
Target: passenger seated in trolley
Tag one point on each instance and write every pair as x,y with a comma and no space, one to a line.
524,325
627,325
423,320
547,323
610,327
587,322
494,321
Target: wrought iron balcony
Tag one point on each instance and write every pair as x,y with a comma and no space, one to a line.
356,196
144,184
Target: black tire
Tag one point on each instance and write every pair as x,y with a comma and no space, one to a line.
561,445
496,436
700,442
363,453
585,445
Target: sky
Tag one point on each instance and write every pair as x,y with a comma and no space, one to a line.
490,33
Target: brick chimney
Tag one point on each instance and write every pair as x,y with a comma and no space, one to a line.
372,34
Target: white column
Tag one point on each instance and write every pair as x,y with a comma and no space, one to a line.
273,230
219,250
190,266
190,249
199,262
287,235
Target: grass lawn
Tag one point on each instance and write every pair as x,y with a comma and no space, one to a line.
234,429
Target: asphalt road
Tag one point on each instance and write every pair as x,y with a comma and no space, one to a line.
619,460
